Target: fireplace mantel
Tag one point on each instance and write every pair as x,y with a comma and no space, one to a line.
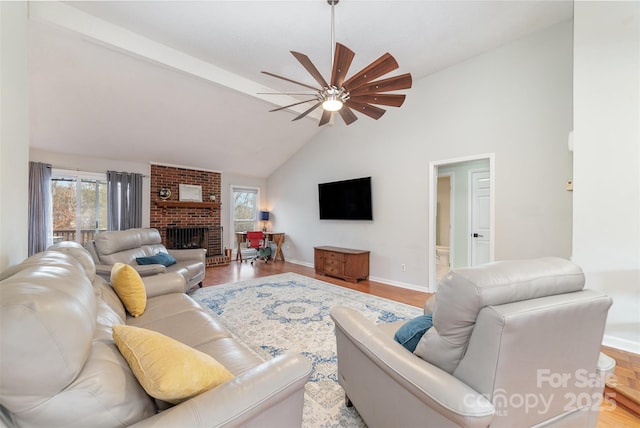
188,204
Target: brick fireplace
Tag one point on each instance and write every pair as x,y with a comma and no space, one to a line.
188,224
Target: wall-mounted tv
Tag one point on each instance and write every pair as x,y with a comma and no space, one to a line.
346,200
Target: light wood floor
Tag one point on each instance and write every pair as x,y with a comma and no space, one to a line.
627,369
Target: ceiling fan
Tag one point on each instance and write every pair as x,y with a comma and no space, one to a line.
357,93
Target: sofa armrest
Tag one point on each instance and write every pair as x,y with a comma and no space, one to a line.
247,397
166,283
198,254
148,270
436,388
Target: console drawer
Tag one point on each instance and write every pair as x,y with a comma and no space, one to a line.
344,263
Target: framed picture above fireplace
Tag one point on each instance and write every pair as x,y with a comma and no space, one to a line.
190,192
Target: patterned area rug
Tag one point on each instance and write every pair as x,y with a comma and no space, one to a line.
291,312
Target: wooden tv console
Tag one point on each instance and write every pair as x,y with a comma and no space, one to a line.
350,265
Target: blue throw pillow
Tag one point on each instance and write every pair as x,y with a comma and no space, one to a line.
159,259
411,332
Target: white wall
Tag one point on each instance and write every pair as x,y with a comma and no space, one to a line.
14,134
83,163
514,101
606,220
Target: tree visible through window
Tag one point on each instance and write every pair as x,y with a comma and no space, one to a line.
244,210
79,202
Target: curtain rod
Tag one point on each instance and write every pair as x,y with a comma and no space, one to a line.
91,172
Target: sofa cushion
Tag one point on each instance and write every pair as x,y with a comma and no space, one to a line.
130,288
160,259
179,316
31,327
167,369
79,253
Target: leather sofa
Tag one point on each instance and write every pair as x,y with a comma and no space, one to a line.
60,367
124,246
513,343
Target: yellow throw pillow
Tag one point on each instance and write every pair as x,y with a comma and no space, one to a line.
129,287
167,369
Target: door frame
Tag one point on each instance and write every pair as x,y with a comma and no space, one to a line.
452,210
433,191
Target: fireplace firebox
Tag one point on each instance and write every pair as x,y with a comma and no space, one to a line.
181,238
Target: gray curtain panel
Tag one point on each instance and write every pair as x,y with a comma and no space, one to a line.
124,200
40,221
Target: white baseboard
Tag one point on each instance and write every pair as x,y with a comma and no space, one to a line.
298,262
620,343
373,278
406,285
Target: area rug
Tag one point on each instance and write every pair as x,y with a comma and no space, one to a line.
291,312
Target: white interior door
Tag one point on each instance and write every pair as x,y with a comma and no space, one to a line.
480,217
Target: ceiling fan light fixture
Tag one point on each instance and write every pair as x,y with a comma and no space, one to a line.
333,98
332,104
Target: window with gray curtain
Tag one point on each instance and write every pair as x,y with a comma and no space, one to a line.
124,200
40,235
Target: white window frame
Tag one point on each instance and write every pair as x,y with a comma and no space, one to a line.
240,188
78,176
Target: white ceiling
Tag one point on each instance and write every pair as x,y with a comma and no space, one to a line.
177,82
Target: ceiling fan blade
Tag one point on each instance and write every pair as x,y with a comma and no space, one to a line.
368,109
292,81
347,115
383,65
341,63
315,106
286,93
326,117
394,83
291,105
392,100
308,65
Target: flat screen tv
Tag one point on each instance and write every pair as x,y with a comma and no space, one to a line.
346,200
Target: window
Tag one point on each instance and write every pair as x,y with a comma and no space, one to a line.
79,202
244,210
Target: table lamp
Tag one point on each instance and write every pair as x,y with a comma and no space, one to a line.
264,217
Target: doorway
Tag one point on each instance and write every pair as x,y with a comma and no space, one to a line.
466,186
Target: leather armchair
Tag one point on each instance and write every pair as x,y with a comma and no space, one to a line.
514,343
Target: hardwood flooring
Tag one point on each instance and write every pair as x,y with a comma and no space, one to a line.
627,367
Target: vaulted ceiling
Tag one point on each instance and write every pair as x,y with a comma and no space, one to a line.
179,82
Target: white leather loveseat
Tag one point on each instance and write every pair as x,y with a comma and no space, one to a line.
125,246
59,366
